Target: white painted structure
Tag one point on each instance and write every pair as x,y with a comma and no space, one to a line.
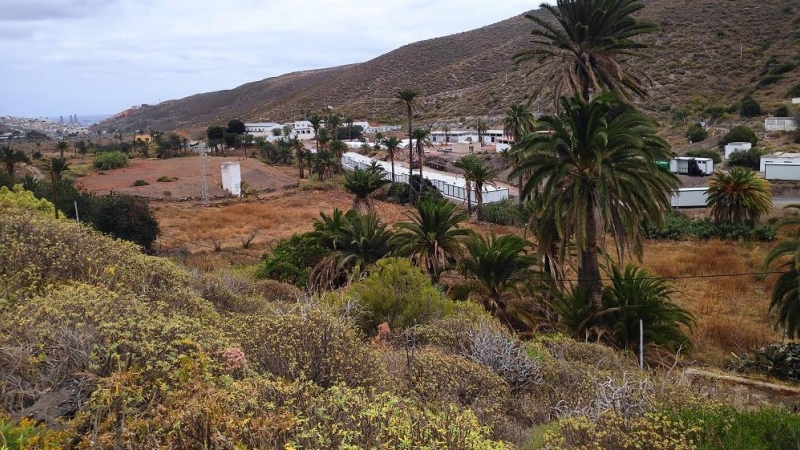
781,166
780,124
733,147
689,197
450,186
232,178
796,101
681,165
454,136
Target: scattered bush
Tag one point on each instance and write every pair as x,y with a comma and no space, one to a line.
127,217
293,259
706,153
397,292
770,78
781,361
508,358
138,183
750,159
794,91
740,133
505,212
749,107
781,111
678,226
696,133
110,160
166,179
404,193
18,198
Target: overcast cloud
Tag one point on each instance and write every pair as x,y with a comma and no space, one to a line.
102,56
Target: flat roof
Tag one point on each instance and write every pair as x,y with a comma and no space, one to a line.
782,155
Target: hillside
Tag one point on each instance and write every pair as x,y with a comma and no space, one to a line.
708,54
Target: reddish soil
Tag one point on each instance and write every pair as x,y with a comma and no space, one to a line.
188,183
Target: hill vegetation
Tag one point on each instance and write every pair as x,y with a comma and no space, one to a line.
708,57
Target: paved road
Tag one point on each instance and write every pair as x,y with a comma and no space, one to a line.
783,201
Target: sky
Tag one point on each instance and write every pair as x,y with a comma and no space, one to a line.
63,57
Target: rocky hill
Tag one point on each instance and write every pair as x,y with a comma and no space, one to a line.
708,55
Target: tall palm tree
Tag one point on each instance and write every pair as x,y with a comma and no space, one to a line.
589,46
497,269
392,144
596,170
518,122
409,98
480,175
421,140
57,168
333,122
481,127
467,164
316,122
785,301
362,183
11,158
738,196
299,149
338,148
432,238
61,146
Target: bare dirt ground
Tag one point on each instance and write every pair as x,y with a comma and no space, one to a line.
188,183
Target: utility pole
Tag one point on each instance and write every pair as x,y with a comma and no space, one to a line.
204,179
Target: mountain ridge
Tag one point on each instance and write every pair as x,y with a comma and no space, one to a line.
708,54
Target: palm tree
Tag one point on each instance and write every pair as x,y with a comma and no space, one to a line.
338,148
334,122
422,138
518,122
11,158
61,146
348,122
738,196
479,175
432,238
785,302
392,144
409,98
446,130
316,122
467,164
57,168
299,149
595,167
497,269
588,46
362,183
636,295
481,127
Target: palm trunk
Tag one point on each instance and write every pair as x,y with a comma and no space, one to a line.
589,280
420,152
300,166
521,199
391,157
410,148
468,185
55,193
479,199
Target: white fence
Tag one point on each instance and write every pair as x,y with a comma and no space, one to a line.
450,186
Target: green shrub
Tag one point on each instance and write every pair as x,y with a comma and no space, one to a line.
505,212
397,292
746,158
403,193
749,107
781,111
706,153
127,217
26,434
110,160
140,183
18,198
740,133
293,259
166,179
794,91
678,226
696,133
770,78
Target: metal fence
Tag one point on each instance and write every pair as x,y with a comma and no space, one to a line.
448,189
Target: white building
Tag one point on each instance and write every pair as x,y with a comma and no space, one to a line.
781,166
780,124
440,137
232,178
796,101
691,166
689,197
733,147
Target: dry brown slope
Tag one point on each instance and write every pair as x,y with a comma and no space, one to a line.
709,53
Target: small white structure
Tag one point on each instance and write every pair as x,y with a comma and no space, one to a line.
689,197
732,147
781,166
780,124
796,101
454,136
232,178
690,166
